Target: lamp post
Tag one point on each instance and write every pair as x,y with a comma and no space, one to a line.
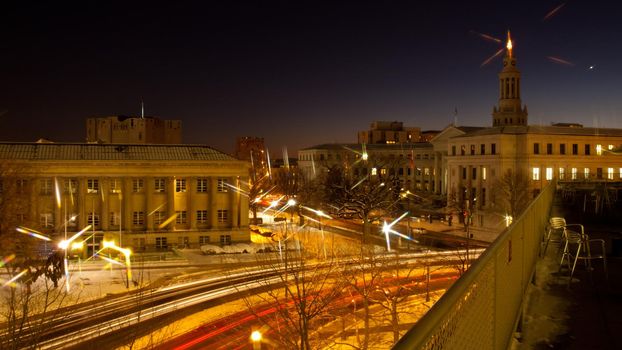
256,339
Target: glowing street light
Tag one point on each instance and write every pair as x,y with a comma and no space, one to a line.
256,339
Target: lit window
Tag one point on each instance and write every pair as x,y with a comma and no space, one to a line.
92,185
180,185
561,173
610,147
620,173
586,173
46,186
484,173
535,174
181,217
160,185
47,220
383,171
71,185
137,185
115,186
222,185
159,217
202,185
114,219
374,171
573,173
201,216
610,173
138,218
549,174
599,150
223,215
426,171
93,220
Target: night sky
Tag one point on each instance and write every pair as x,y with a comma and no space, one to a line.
300,73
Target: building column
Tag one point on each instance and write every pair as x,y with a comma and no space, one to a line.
82,212
104,218
213,203
479,186
244,211
190,207
128,214
170,202
149,190
234,202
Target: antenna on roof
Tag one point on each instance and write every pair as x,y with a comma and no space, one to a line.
456,116
142,109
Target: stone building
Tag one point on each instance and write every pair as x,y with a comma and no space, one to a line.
147,197
132,130
383,132
476,159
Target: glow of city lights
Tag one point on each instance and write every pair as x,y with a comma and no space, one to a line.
7,259
291,202
77,245
508,220
15,278
509,45
126,253
64,244
168,221
256,336
32,233
387,229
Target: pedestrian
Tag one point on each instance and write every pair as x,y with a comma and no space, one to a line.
449,219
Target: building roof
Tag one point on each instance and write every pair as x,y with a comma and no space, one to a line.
95,151
369,146
543,130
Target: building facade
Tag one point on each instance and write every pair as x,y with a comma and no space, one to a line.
147,197
133,130
383,132
412,163
477,159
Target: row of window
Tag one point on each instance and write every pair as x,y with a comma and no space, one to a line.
162,242
575,148
338,156
138,218
392,171
574,173
472,149
138,185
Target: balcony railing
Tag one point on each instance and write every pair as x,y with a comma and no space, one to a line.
481,310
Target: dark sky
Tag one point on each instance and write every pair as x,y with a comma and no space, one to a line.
300,73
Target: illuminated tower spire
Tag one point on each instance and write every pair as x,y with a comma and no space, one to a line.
509,111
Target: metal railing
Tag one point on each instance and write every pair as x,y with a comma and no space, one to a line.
481,310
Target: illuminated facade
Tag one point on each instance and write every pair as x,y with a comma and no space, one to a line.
476,159
413,164
382,132
133,130
148,197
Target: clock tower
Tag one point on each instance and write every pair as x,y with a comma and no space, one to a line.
509,111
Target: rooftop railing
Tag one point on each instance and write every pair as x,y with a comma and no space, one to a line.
481,310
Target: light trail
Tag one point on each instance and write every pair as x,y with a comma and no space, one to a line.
560,61
487,37
492,57
32,233
15,278
553,12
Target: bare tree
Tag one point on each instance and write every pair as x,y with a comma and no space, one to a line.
306,292
511,192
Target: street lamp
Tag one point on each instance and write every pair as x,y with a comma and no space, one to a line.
256,339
